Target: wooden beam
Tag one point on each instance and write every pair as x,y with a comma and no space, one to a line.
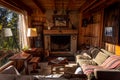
23,5
19,4
39,6
5,4
101,4
97,4
86,5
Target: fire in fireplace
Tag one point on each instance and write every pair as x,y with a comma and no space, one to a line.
60,43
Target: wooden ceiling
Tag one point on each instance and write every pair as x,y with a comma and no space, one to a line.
70,5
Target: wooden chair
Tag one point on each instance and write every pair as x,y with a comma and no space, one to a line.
35,61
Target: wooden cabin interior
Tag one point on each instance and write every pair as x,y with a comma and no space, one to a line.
65,27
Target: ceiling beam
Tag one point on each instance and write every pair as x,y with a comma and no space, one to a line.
100,5
19,4
8,5
100,2
86,5
39,6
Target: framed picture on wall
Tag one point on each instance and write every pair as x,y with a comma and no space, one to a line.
109,31
109,34
60,20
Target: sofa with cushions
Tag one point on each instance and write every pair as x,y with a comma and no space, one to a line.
96,62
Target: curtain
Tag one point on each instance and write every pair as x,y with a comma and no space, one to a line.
23,25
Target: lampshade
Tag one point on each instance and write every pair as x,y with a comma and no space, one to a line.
7,32
32,32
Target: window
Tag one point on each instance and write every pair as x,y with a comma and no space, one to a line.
8,43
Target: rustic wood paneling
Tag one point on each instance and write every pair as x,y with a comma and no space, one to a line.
112,18
90,35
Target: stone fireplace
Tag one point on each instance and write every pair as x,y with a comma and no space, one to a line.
60,41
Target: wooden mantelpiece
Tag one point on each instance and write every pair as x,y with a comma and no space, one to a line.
50,32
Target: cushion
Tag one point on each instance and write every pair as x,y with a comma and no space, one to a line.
100,58
94,52
10,70
111,62
84,56
107,52
87,62
110,59
88,69
89,50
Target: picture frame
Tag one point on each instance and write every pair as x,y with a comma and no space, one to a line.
108,31
108,34
60,20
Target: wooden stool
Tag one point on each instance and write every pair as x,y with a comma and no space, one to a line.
35,61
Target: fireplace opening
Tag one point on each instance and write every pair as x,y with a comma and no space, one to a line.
60,43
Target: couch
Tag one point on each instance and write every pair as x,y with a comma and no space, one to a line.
98,64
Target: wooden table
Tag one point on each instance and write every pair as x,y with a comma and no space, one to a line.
21,56
57,63
36,52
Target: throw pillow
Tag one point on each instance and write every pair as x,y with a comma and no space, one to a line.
100,58
112,57
10,70
94,52
107,52
87,62
112,62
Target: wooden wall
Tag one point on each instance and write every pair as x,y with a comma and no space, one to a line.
90,35
93,33
112,18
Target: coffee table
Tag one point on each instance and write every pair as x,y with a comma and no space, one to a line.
58,64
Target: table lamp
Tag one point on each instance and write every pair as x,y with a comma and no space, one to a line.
7,32
32,32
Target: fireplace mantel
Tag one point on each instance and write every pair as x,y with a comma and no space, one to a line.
73,39
51,32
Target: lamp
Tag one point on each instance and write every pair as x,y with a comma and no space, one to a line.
7,32
32,32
